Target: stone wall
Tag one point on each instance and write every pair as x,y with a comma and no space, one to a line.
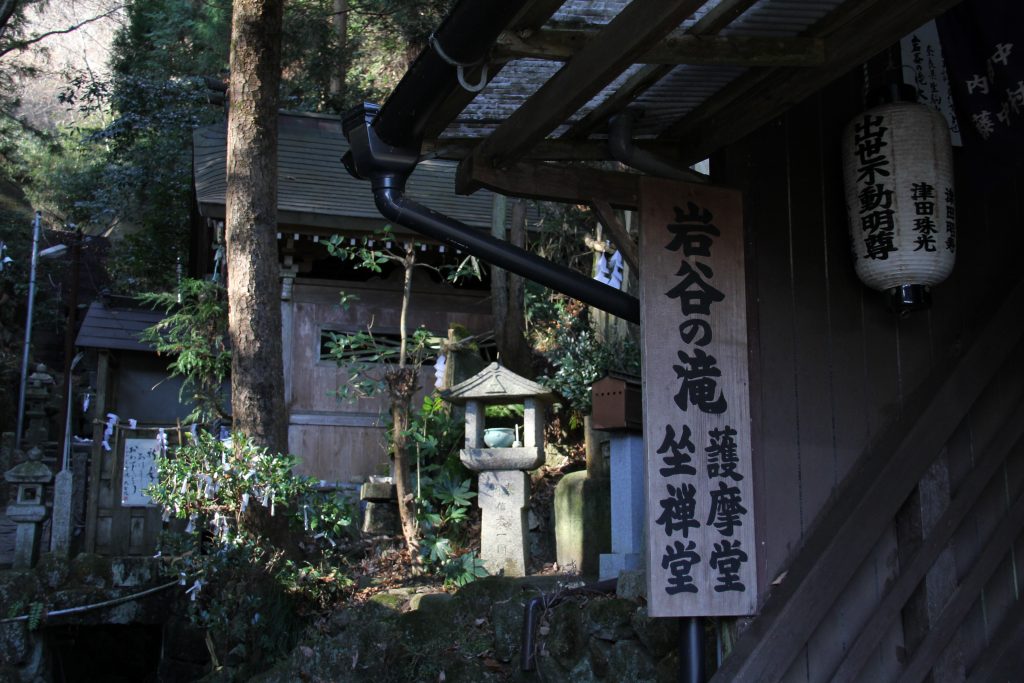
476,634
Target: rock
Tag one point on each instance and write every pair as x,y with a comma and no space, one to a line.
380,491
609,618
507,619
14,642
582,672
629,662
598,651
566,638
396,599
632,585
381,518
659,636
129,572
668,668
431,602
237,656
582,521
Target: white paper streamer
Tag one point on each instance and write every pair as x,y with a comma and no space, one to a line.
194,590
602,269
108,431
615,270
439,365
132,423
161,441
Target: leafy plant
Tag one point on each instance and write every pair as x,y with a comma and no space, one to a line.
240,585
195,334
576,355
378,367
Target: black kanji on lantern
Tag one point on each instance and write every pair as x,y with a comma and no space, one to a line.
678,462
726,509
869,138
727,558
693,231
679,510
699,386
679,559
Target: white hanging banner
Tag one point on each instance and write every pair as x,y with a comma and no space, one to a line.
922,53
699,481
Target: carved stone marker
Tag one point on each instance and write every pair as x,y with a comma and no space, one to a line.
503,483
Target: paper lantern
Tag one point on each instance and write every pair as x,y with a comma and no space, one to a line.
898,168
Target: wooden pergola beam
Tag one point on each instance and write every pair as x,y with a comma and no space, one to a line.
617,231
562,45
641,24
531,18
711,23
560,149
767,93
548,182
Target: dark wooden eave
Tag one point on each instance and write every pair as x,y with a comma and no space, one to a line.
779,73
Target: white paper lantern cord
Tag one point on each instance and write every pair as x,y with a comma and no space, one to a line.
900,200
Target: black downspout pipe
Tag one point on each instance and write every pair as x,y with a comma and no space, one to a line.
620,144
388,166
691,650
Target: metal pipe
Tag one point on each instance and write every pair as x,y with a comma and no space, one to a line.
691,650
19,428
532,611
394,205
620,144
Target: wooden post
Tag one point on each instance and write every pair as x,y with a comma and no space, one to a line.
96,458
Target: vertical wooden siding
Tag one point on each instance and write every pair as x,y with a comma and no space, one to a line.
831,365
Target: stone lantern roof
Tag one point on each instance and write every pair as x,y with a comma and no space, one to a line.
496,384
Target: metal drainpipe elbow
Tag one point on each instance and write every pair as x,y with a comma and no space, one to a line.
622,148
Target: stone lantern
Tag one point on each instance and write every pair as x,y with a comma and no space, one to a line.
37,396
28,510
501,461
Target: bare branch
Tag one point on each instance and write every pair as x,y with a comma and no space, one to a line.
22,44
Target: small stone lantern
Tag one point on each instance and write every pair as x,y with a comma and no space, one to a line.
28,510
504,486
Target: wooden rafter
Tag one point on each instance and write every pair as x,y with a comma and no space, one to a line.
531,180
851,38
531,18
617,231
711,23
562,45
546,150
641,24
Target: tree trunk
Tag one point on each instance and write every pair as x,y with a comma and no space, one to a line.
507,301
254,288
339,22
402,385
400,407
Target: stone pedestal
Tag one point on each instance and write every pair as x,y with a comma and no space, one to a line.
627,491
502,499
380,511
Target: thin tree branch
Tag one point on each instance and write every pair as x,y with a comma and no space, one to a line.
22,44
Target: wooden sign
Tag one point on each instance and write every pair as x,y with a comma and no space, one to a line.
139,471
699,489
